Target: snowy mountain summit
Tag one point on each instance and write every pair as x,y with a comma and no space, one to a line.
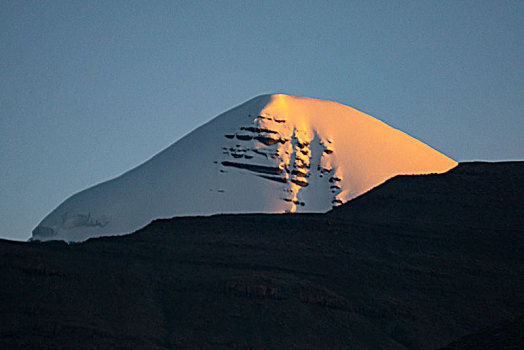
272,154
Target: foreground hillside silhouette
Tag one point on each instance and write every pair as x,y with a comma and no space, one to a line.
416,263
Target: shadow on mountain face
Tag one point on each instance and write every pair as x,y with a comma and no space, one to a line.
415,263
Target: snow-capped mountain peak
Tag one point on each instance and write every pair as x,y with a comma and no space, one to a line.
272,154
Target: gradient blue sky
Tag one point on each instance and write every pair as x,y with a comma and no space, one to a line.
91,89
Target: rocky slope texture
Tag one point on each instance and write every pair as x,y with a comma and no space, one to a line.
272,154
341,280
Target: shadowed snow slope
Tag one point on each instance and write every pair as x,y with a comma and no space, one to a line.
272,154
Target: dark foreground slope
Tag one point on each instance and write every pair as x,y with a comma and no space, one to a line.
416,263
504,335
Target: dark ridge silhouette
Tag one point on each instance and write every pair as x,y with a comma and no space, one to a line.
476,194
416,263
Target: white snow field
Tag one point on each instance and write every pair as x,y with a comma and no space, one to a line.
272,154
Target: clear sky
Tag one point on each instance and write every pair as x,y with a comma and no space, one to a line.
89,90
